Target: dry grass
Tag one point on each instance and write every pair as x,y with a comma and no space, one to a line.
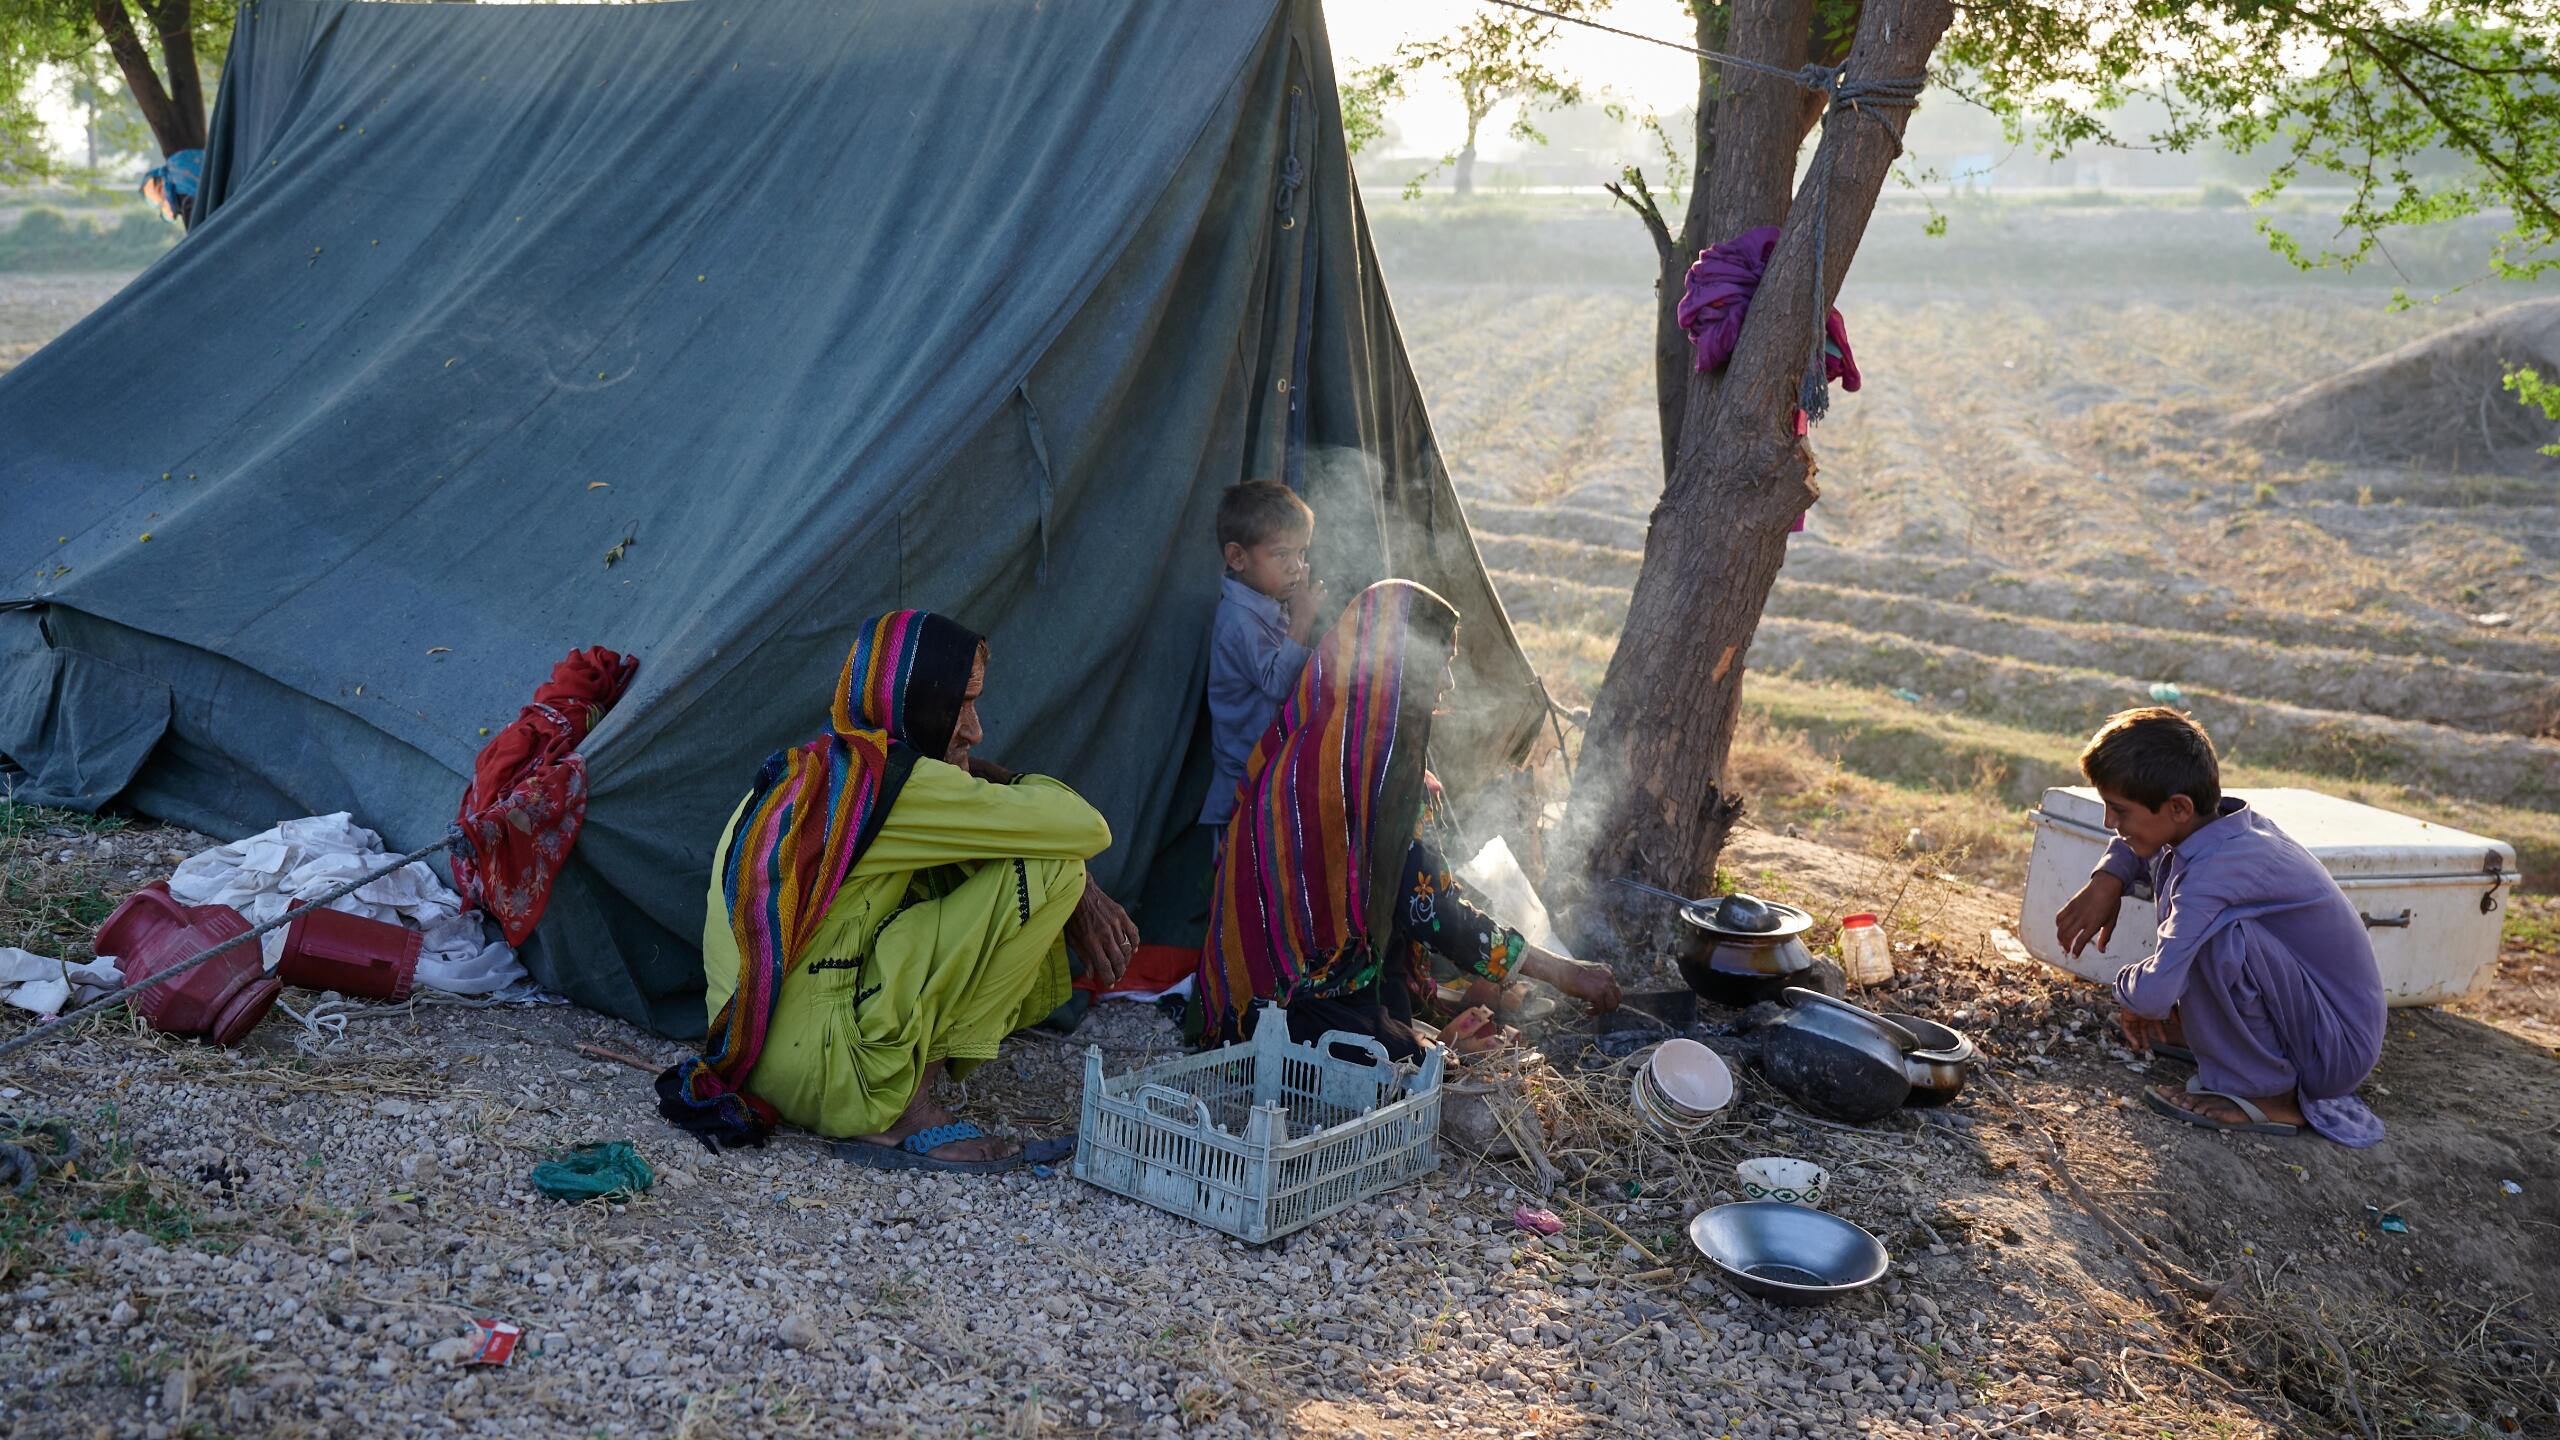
2436,1365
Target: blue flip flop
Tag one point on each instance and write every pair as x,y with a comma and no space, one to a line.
916,1152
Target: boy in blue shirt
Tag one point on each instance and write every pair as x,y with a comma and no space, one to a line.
1267,608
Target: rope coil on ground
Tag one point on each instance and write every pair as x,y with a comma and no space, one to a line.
17,1160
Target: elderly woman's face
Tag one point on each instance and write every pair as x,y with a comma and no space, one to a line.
967,733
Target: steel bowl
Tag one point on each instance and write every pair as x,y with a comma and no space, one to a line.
1791,1254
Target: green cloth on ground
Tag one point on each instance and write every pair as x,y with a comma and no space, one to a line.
944,939
608,1171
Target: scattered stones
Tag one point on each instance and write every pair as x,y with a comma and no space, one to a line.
930,1303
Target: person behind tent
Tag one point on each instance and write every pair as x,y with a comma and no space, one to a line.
171,185
1267,607
886,906
1326,895
2264,977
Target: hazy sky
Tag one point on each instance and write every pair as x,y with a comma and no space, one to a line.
1368,31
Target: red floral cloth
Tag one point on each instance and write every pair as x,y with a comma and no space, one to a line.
528,792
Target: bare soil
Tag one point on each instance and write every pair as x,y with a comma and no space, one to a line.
35,307
272,1240
2426,404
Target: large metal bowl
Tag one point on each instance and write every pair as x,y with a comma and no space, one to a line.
1791,1254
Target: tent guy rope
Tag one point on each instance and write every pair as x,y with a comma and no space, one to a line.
1813,396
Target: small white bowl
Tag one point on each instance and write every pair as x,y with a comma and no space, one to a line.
1787,1181
1691,1076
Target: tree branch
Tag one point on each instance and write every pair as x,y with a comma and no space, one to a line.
174,21
1641,201
158,110
2461,133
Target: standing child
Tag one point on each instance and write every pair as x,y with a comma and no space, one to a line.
2264,975
1258,642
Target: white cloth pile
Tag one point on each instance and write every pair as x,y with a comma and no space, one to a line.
263,875
42,984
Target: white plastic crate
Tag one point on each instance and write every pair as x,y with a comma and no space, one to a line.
1263,1138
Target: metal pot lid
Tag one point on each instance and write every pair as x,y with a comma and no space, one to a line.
1787,921
1799,997
1926,1031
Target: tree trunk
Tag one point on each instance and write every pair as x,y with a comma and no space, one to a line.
1672,355
171,128
1740,186
175,21
1463,175
1650,800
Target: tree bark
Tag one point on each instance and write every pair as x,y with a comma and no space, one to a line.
1463,175
175,22
1651,800
172,129
1785,34
1672,357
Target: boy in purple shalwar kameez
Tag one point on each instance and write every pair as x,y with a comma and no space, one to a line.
2264,972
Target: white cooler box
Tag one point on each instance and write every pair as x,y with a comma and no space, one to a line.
2432,897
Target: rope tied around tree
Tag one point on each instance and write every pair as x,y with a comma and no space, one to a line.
1813,397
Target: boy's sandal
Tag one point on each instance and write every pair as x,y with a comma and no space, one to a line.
2256,1124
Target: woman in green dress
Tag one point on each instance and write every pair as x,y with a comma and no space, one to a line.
886,907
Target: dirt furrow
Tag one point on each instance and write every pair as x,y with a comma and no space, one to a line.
2405,687
1592,547
2167,603
2507,768
1547,580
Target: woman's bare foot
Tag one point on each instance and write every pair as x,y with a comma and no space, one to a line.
923,1112
2283,1109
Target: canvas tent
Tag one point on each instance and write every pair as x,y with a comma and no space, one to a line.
702,330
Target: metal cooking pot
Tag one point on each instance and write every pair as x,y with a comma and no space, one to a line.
1938,1068
1742,967
1837,1058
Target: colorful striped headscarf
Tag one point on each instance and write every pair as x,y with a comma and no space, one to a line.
813,811
1331,796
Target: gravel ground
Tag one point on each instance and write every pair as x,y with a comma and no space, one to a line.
305,1232
292,1238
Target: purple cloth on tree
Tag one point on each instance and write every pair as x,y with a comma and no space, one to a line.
2268,966
1719,293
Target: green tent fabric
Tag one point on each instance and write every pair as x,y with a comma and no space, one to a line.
703,330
